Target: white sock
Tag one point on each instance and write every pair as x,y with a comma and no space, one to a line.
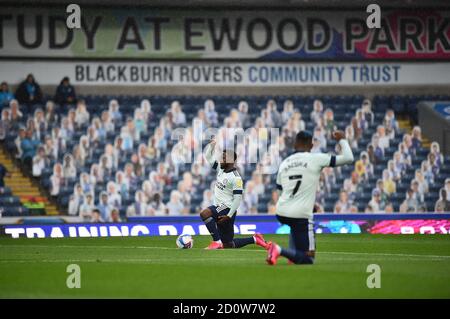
218,241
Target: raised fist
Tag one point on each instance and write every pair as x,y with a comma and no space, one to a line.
338,135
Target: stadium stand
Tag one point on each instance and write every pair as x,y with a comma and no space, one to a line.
110,152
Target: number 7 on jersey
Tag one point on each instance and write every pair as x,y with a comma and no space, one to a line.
297,185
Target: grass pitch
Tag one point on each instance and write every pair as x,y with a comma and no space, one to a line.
151,267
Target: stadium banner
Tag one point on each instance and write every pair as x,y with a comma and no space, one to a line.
266,35
265,224
228,73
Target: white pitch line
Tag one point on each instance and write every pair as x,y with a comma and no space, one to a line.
166,261
90,246
131,260
246,250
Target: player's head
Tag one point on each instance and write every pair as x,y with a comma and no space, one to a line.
303,141
228,159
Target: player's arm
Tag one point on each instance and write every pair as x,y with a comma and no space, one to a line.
237,198
209,154
278,183
346,156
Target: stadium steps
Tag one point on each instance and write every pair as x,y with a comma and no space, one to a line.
22,187
406,126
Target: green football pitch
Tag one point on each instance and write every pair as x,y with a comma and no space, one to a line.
152,267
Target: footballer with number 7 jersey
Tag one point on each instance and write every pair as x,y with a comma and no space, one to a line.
219,218
297,180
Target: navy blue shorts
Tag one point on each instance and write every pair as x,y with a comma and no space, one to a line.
302,233
226,230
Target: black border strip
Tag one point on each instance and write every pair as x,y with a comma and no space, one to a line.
202,7
284,308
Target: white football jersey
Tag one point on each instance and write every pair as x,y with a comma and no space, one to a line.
298,178
227,184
